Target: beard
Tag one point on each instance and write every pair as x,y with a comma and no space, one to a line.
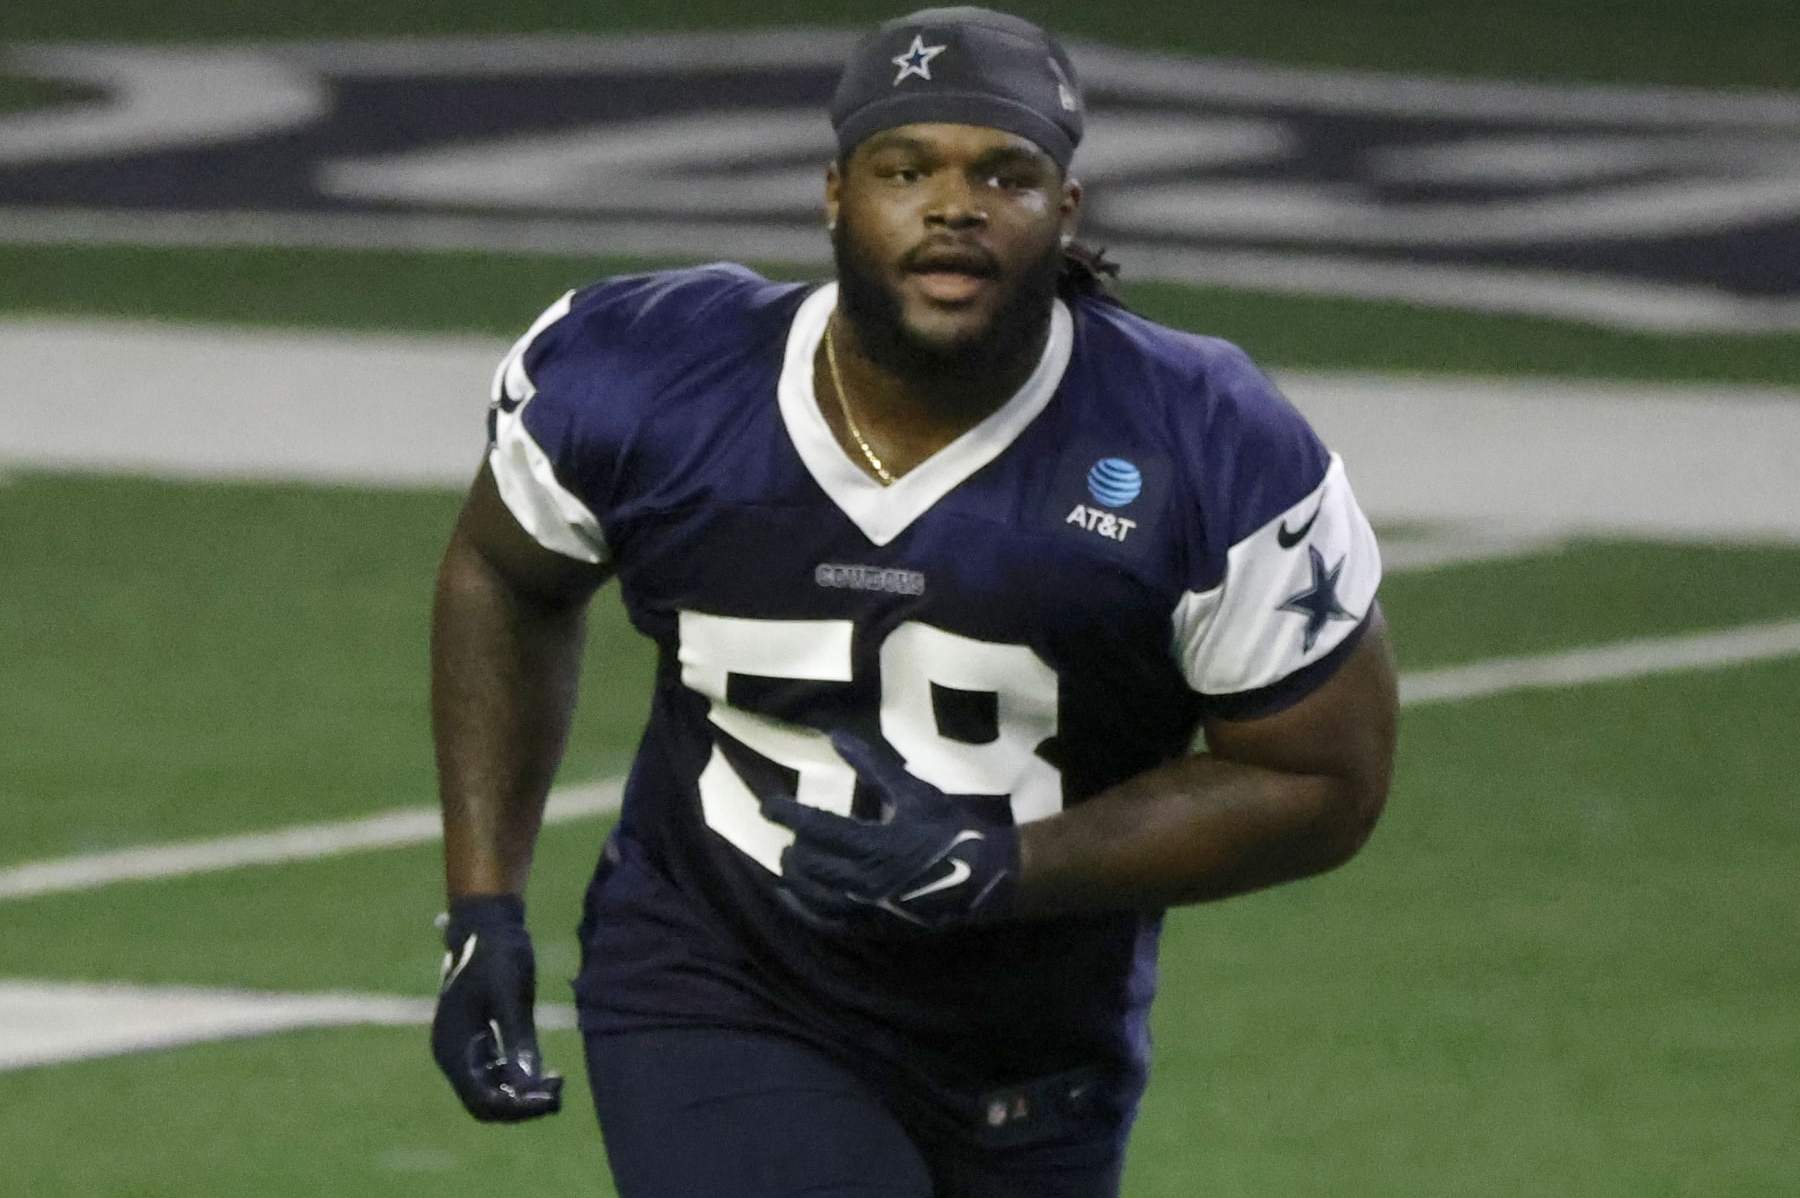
875,313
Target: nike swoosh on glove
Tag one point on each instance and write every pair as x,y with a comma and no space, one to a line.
483,1034
928,864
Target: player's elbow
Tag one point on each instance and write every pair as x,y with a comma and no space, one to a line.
1352,817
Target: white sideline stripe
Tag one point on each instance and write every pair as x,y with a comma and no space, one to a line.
1605,458
418,825
1603,663
305,842
1460,546
1608,458
42,1023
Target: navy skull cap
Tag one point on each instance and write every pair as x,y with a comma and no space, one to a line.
963,65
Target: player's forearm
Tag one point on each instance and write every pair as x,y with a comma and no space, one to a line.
503,681
1197,829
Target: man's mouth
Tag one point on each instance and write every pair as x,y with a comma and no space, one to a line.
950,286
952,275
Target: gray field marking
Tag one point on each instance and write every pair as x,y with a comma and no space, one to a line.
1500,457
1623,660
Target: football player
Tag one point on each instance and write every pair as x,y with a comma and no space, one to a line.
947,561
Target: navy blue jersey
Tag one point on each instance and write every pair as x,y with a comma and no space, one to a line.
1145,534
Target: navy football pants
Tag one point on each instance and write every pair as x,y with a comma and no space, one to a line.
705,1113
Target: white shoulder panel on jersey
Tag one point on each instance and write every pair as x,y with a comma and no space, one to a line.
510,379
546,509
1292,591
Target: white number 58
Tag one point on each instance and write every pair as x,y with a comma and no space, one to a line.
913,658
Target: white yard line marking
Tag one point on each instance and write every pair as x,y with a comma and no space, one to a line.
419,825
45,1022
1639,658
304,842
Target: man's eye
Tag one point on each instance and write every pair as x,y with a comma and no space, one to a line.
1009,182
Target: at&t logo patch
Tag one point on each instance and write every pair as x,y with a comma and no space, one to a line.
1113,483
1096,520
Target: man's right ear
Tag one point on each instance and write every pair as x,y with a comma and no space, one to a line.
834,185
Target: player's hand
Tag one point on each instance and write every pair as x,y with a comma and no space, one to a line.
928,863
483,1035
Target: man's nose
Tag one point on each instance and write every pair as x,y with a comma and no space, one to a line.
954,204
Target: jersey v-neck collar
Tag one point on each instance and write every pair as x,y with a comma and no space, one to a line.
884,512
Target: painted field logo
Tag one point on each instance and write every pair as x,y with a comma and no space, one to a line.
1114,482
1666,209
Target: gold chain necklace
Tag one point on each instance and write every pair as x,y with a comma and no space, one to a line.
837,384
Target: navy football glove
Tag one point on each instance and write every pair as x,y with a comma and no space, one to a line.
927,864
483,1035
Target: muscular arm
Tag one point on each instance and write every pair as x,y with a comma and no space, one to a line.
508,621
1272,799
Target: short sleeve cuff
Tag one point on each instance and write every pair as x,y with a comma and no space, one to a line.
1278,696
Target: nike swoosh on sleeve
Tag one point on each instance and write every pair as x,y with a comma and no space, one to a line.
1287,540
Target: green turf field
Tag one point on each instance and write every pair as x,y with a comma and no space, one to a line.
1560,967
1566,965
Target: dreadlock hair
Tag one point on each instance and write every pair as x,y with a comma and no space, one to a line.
1088,272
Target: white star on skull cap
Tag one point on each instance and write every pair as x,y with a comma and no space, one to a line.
916,60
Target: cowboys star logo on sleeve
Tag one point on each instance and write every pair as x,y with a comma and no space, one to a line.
1318,602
